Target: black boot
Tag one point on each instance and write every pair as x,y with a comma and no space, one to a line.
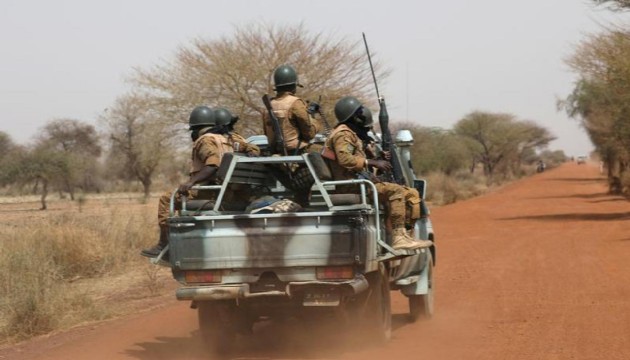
157,249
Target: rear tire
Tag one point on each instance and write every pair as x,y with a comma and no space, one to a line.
378,312
215,325
421,306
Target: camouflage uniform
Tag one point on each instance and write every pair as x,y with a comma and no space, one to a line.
411,195
297,126
207,150
351,160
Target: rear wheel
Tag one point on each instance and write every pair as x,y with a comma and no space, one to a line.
378,313
421,306
215,325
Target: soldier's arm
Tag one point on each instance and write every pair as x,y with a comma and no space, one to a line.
205,174
244,146
344,147
207,151
303,120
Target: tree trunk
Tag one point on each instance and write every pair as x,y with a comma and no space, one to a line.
44,193
146,184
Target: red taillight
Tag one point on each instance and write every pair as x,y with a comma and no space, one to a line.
203,276
335,272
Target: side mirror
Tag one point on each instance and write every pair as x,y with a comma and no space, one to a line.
421,186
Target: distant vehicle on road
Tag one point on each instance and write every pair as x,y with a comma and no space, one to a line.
581,160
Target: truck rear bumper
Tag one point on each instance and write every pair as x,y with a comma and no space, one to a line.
242,291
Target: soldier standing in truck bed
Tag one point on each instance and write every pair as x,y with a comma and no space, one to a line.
295,120
298,129
210,133
346,156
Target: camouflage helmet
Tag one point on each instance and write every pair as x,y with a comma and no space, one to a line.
201,116
284,76
346,108
222,116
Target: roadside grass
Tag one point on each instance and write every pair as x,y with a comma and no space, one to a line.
443,189
53,262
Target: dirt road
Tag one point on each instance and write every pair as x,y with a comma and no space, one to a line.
537,270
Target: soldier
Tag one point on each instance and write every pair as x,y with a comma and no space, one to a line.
411,195
211,139
298,128
345,146
296,123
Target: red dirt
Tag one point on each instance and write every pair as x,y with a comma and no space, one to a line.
537,270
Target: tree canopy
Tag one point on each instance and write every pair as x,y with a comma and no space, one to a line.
601,97
235,71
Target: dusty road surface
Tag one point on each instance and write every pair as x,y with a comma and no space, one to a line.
537,270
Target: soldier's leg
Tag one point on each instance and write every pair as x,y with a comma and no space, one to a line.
162,213
413,213
395,195
412,207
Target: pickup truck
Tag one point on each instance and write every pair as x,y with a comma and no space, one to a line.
332,257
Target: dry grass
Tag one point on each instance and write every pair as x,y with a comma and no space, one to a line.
443,189
57,266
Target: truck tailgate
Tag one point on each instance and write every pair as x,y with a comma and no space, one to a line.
266,240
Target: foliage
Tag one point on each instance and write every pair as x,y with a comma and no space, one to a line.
438,150
601,97
617,5
78,144
495,139
37,166
234,71
141,138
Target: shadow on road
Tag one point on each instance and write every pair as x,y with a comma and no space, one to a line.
577,196
597,179
575,217
290,339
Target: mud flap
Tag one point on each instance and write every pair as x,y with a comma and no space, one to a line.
418,287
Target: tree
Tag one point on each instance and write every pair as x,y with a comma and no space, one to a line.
617,5
79,144
141,136
601,98
37,165
498,138
437,149
235,71
6,144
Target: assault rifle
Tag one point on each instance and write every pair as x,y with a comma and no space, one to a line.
277,132
327,127
383,120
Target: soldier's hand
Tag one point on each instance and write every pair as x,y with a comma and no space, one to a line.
251,154
312,108
184,188
382,165
387,155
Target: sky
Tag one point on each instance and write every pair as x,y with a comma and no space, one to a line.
70,58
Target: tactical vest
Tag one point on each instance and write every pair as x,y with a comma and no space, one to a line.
289,130
223,145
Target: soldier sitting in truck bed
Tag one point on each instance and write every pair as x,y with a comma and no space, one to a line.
347,159
210,133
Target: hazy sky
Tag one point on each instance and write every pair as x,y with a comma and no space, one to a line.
70,58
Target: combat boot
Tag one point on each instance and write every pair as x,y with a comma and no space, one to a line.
402,241
155,251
